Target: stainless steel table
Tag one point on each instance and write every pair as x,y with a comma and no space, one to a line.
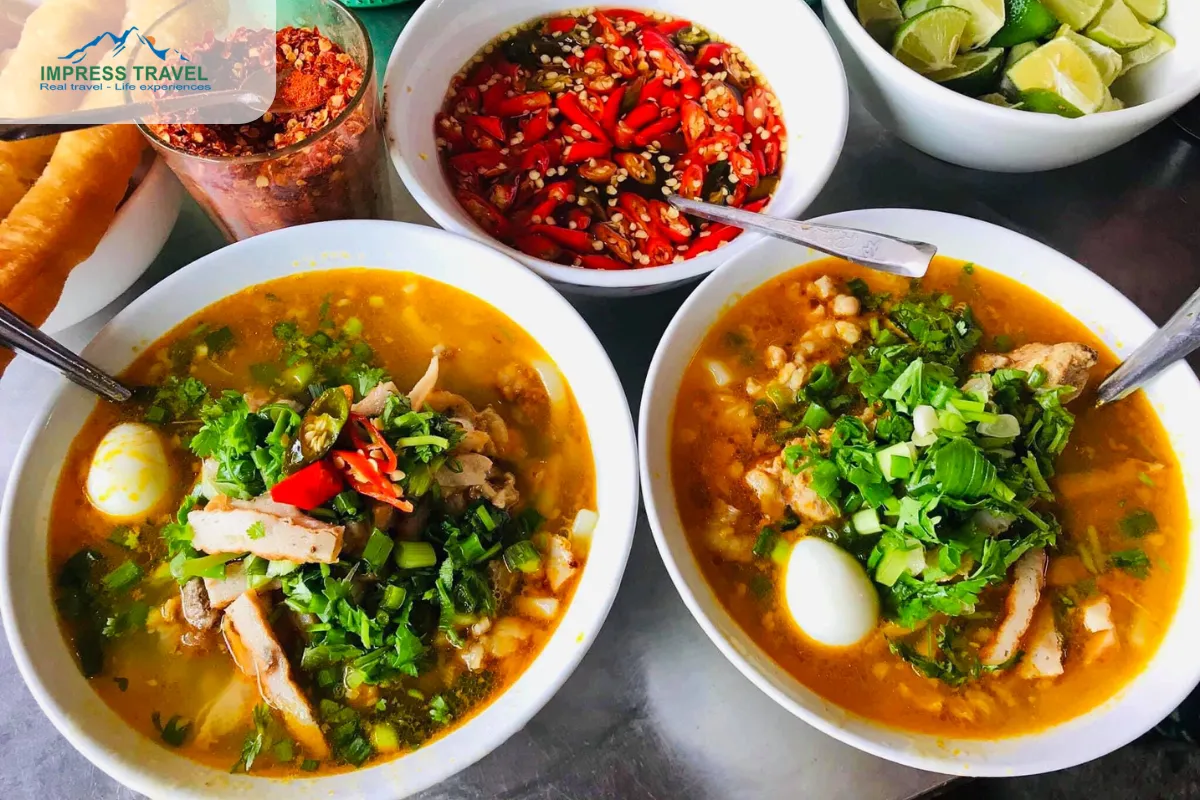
654,711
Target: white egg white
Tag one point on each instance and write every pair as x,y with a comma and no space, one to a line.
828,593
129,476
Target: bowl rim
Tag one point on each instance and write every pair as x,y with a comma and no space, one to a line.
668,274
870,50
827,722
623,514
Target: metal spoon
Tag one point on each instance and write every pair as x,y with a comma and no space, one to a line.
875,250
19,335
1170,343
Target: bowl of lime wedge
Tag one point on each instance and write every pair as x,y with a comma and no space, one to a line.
1019,85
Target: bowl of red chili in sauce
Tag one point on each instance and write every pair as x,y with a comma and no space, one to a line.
321,161
558,133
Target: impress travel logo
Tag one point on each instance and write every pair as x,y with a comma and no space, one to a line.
175,67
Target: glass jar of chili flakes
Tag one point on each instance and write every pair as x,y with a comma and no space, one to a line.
322,163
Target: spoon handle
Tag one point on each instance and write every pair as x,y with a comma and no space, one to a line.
19,335
875,250
1170,343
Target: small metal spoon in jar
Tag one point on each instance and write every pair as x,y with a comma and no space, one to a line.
19,335
1172,342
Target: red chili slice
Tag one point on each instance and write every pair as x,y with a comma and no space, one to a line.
570,107
673,224
520,104
578,240
602,262
664,55
375,445
606,31
653,89
537,246
691,181
742,164
612,111
535,128
480,162
651,133
559,25
313,486
483,212
713,238
576,152
365,479
757,107
673,27
494,96
696,124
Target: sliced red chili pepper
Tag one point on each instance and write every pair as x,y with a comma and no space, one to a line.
657,248
536,158
599,170
672,143
757,107
480,162
576,152
492,126
312,486
696,124
483,212
709,58
559,25
671,223
757,205
616,242
760,163
652,89
507,68
578,218
467,101
537,246
652,132
712,238
520,104
709,149
568,104
602,262
738,195
722,105
671,99
578,240
691,181
365,479
449,130
592,104
638,210
620,62
640,168
493,96
743,166
503,195
641,116
672,27
628,16
374,445
481,74
691,88
606,31
664,55
612,111
769,149
535,128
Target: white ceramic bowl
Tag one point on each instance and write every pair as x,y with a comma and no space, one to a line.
782,37
133,241
1173,671
25,599
966,131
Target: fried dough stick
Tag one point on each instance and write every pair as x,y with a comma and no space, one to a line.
63,217
21,163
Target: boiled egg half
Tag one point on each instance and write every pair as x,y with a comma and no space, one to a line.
828,593
128,477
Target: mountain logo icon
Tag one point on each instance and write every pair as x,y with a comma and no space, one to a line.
118,46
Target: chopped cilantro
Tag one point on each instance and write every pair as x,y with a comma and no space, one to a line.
173,733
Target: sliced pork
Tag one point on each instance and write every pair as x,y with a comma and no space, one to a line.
257,653
424,387
1066,364
197,606
374,401
1044,655
1029,575
267,529
223,591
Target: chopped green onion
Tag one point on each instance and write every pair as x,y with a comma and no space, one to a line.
123,578
418,441
485,517
866,521
309,765
202,567
896,462
353,327
384,738
347,503
816,417
415,555
765,542
378,548
780,397
963,404
522,557
283,750
780,552
393,597
1037,376
297,376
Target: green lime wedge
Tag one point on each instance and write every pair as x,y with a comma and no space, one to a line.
1059,77
1107,60
930,40
987,17
973,73
1076,13
1118,27
881,18
1149,10
1015,54
997,99
1162,42
1024,21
